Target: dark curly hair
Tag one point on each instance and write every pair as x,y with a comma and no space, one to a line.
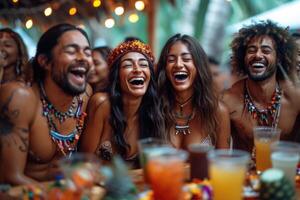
151,122
205,100
285,47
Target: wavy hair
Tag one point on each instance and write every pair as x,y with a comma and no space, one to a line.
204,99
22,69
150,118
285,47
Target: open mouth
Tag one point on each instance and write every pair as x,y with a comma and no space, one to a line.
137,81
258,65
180,76
79,72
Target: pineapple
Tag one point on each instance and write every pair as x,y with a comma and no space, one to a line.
275,186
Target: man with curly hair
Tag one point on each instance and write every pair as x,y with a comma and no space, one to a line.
268,96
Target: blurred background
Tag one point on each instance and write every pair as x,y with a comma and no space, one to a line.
109,22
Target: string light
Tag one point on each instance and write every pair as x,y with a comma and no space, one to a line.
48,11
96,3
119,10
109,23
15,1
139,5
72,11
29,23
133,18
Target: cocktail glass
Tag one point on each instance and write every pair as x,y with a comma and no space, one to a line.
166,172
227,171
263,138
285,156
146,145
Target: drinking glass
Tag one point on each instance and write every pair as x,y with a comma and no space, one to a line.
145,146
198,160
285,156
227,170
166,172
81,169
263,138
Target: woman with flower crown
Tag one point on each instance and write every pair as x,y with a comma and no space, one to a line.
130,111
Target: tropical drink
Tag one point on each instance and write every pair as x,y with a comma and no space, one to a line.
166,173
227,170
285,156
263,138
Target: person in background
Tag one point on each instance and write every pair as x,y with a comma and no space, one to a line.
192,111
220,78
41,123
267,96
129,111
296,37
15,55
98,76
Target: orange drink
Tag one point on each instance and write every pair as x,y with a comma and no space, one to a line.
227,170
166,173
263,138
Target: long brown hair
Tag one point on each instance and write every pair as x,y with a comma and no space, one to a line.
204,99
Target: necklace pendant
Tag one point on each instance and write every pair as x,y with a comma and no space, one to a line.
185,130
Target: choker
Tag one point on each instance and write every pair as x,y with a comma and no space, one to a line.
268,116
66,143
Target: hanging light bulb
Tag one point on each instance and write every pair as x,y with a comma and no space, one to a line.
72,11
15,1
29,23
48,11
133,18
119,10
109,23
96,3
139,5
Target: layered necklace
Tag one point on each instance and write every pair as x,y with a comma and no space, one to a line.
268,116
181,120
67,144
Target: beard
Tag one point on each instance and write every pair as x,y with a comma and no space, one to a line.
63,81
267,74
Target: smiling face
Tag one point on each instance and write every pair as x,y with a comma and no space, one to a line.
100,71
134,74
261,58
71,61
180,68
9,50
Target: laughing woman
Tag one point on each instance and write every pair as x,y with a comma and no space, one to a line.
192,112
130,111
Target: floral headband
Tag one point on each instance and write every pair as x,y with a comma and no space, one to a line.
131,46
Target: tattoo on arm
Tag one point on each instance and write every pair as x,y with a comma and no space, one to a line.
7,127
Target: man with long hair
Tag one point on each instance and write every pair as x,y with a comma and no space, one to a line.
192,111
265,53
42,123
129,111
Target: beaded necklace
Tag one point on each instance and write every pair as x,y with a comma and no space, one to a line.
268,116
66,143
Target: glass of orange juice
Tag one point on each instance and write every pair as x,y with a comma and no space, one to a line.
264,136
166,173
227,170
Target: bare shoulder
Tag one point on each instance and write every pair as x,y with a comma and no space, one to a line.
233,95
291,92
100,101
